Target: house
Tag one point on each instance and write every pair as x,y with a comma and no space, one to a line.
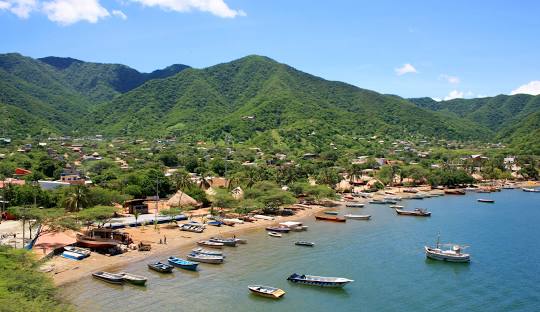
136,205
20,172
181,199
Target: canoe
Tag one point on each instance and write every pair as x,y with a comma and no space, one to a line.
82,251
207,252
319,280
266,291
331,212
95,243
210,244
274,234
354,205
304,243
330,218
231,242
357,217
108,277
183,264
133,279
482,200
416,212
205,258
72,255
281,229
161,267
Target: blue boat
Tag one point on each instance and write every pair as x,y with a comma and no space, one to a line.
73,255
214,223
183,264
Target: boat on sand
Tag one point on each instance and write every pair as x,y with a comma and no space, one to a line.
209,244
161,267
108,277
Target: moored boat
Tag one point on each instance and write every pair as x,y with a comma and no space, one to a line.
396,206
161,267
240,240
304,243
319,280
133,279
281,229
72,255
354,205
483,200
207,252
198,257
330,218
108,277
357,217
231,242
331,212
263,217
274,234
266,291
531,190
451,255
210,244
419,212
182,263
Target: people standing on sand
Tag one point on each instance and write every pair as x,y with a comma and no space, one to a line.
164,239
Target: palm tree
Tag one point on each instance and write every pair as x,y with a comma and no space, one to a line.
77,198
181,180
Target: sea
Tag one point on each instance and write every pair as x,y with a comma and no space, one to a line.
384,257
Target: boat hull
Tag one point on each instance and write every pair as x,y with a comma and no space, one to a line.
330,218
329,282
182,264
161,267
203,259
108,277
445,257
275,293
358,217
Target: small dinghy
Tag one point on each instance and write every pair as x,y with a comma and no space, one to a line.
331,212
266,291
161,267
231,242
357,217
108,277
205,258
304,243
210,244
207,252
354,205
274,234
396,206
319,280
83,251
183,264
489,201
72,255
133,279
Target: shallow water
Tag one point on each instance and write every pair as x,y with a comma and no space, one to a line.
384,256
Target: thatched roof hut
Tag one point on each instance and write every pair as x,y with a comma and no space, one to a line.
181,199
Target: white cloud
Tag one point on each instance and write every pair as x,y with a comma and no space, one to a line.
437,99
21,8
454,94
4,5
405,69
216,7
67,12
119,14
532,88
450,79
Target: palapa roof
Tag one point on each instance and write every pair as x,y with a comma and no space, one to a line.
182,199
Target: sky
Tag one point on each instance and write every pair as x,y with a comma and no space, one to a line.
440,49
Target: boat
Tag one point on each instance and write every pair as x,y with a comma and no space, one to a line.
240,240
304,243
319,280
417,196
96,243
210,244
451,255
266,291
133,279
207,252
161,267
410,190
396,206
82,251
198,257
247,219
483,200
274,234
183,264
231,242
108,277
281,229
354,205
72,255
234,220
331,212
357,217
530,190
330,218
392,198
454,192
263,217
214,223
416,212
192,227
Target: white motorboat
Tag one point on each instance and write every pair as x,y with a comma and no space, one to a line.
357,217
454,254
274,234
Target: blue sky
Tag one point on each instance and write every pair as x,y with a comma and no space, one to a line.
409,48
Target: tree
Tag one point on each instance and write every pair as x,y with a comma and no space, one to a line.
97,214
76,198
171,213
328,176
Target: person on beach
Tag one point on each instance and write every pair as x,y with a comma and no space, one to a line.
164,239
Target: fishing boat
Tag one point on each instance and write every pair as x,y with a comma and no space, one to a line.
133,279
319,280
357,217
72,255
108,277
396,206
205,258
210,244
192,227
451,255
304,243
183,264
96,243
454,192
274,234
331,212
354,205
207,252
231,242
330,218
82,251
377,201
214,223
483,200
530,190
281,229
419,212
240,240
161,267
266,291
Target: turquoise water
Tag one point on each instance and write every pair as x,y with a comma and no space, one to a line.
384,256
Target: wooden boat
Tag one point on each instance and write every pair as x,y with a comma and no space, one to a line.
95,243
234,220
133,279
108,277
357,217
207,252
410,190
161,267
228,223
72,255
330,218
483,200
198,257
319,280
231,242
451,255
331,212
183,264
454,192
266,291
214,223
82,251
274,234
354,205
304,243
281,229
531,190
263,217
192,227
210,244
416,212
396,206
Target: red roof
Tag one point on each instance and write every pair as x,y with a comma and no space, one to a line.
21,171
